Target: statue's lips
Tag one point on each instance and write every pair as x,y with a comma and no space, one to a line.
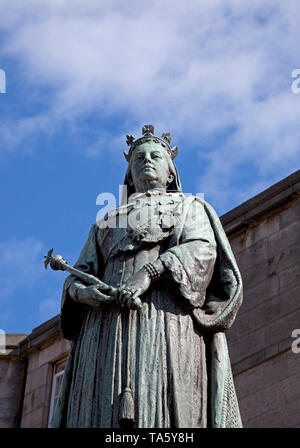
147,168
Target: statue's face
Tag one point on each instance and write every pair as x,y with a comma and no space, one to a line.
149,167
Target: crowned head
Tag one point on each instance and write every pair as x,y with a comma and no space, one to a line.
150,163
148,136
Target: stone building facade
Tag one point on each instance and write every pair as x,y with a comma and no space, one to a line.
264,233
12,380
265,236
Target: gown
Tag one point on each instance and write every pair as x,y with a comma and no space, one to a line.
167,351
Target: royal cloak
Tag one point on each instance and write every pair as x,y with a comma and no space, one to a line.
223,290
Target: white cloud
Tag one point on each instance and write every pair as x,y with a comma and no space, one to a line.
196,69
25,285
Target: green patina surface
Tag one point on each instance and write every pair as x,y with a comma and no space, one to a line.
166,364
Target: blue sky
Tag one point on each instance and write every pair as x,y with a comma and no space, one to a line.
82,75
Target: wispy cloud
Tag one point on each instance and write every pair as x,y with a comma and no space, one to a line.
20,265
204,70
28,293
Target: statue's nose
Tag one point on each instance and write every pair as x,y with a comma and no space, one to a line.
147,159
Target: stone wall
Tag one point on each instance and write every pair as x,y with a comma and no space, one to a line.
267,372
12,370
38,384
43,348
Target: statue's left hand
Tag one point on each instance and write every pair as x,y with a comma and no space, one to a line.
135,286
213,306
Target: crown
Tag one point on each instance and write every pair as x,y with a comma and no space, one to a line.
148,135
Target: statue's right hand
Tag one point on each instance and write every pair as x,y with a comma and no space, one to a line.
90,295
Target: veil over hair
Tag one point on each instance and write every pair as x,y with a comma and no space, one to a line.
172,187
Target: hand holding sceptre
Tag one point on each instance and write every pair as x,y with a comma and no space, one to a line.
57,262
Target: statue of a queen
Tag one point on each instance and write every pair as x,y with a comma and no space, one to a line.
164,364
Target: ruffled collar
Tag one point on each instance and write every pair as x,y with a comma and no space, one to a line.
153,193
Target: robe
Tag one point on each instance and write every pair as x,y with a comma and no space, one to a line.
173,352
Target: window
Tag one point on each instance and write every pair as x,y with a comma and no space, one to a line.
58,373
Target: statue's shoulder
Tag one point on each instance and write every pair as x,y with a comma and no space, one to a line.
197,201
206,205
197,206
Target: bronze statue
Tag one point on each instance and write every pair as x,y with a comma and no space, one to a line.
149,348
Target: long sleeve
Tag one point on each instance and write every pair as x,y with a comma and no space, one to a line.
191,260
201,262
225,290
72,312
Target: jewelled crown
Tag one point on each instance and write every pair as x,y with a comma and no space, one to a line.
148,135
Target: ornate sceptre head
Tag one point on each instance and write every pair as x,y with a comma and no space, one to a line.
148,136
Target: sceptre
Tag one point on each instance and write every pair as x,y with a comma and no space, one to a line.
58,263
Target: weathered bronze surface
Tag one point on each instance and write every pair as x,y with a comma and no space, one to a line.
166,364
